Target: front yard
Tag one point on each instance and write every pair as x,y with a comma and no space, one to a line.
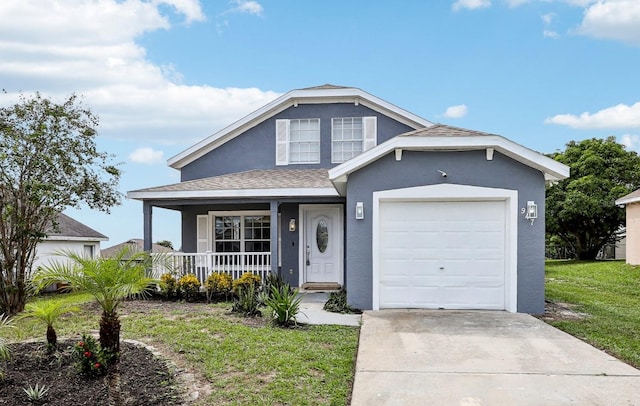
599,303
232,360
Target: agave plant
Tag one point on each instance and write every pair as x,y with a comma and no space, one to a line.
48,312
284,303
109,280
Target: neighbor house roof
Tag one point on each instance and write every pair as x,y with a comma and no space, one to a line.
312,95
632,197
440,137
70,229
135,245
258,182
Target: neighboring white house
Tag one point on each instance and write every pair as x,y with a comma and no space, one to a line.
69,235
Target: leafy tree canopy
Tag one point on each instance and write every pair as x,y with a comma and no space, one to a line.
581,210
48,162
165,243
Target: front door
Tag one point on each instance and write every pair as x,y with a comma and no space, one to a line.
322,245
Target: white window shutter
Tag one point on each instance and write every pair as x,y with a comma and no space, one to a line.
370,132
282,142
202,233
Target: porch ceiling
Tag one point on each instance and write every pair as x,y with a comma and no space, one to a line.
254,183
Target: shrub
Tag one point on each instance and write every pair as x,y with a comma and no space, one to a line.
91,359
48,312
245,280
218,284
337,302
189,286
168,286
284,304
246,301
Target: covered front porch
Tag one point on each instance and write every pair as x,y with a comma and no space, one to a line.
294,232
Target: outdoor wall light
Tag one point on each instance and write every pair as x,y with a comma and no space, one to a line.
359,210
531,212
292,225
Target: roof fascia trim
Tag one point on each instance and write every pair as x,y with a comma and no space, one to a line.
292,98
205,194
552,169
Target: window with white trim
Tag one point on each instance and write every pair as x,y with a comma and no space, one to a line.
351,136
298,141
240,232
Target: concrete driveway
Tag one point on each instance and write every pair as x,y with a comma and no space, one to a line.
470,358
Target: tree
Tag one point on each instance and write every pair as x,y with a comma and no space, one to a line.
48,312
165,243
108,280
581,210
48,162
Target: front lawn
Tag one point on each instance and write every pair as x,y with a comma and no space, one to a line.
607,295
235,361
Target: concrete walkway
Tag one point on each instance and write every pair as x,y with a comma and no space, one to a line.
472,358
311,311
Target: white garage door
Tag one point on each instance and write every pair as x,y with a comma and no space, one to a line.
448,255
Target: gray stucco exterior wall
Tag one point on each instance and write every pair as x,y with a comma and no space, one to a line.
256,147
464,168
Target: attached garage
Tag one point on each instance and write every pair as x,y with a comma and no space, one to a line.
444,247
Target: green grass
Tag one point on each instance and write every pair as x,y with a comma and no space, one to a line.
245,363
608,292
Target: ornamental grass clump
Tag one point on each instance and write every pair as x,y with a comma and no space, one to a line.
189,287
284,304
218,285
5,353
246,290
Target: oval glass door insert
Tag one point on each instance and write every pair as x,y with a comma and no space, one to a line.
322,235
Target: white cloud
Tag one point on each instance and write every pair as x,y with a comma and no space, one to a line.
612,19
619,116
631,141
470,4
548,18
248,6
550,34
89,47
146,155
458,111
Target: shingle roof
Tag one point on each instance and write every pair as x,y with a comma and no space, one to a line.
442,130
632,197
325,86
134,245
254,179
68,227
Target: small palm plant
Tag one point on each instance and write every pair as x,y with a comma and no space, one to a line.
109,280
48,312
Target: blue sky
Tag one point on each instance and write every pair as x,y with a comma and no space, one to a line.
164,74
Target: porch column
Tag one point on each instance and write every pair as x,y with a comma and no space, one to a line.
274,237
147,211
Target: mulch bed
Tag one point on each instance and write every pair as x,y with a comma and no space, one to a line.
144,378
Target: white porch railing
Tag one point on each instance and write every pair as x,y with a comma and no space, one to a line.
204,264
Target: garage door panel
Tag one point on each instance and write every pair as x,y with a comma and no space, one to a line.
452,255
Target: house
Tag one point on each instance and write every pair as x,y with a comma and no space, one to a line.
632,240
68,235
134,245
334,186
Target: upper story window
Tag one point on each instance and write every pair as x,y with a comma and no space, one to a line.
352,136
298,141
346,138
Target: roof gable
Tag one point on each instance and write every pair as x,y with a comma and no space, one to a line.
313,95
440,137
632,197
68,228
